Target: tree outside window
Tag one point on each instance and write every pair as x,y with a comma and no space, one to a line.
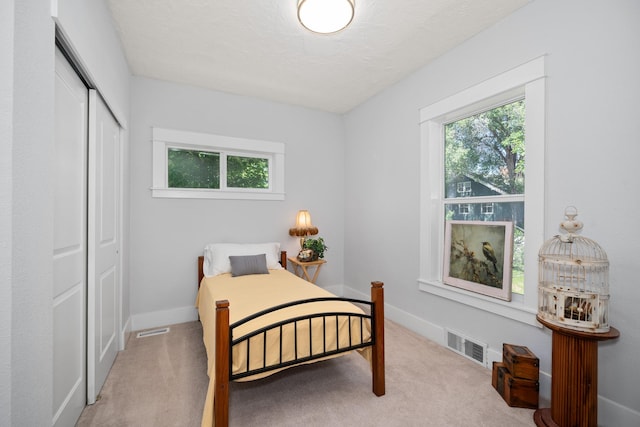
247,172
193,169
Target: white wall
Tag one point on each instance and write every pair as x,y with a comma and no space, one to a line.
27,120
31,207
6,214
89,28
167,235
593,64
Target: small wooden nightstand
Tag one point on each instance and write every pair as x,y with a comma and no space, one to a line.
300,268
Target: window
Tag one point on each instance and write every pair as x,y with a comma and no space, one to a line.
487,208
463,209
463,188
489,148
201,169
193,168
476,136
197,165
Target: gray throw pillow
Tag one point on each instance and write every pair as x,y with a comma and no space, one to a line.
248,264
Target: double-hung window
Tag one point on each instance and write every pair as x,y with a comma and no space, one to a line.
198,165
489,149
473,168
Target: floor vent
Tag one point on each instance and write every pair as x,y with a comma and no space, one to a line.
152,332
468,348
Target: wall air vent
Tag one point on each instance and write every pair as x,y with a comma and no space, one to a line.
152,332
467,347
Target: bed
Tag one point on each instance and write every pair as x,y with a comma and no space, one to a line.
256,322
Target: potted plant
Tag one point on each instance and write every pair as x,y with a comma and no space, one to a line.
317,246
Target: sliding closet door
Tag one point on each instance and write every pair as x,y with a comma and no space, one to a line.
69,245
104,245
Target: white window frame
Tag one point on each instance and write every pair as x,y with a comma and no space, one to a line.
163,139
464,208
464,188
525,81
486,208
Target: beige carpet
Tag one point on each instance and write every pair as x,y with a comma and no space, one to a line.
161,381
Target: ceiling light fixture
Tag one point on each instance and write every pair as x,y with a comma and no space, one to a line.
325,16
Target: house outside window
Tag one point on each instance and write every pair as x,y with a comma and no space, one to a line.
458,145
197,165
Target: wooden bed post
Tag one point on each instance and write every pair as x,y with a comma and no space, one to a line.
221,394
200,269
377,361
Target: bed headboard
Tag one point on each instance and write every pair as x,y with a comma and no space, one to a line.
283,262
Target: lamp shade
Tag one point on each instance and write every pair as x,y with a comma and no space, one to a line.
325,16
303,227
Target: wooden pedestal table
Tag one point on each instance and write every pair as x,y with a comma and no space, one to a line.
574,377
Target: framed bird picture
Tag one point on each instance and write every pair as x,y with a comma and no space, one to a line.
478,256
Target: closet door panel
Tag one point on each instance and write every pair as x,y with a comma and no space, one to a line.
70,245
104,245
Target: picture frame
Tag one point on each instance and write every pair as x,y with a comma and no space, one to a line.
478,257
305,255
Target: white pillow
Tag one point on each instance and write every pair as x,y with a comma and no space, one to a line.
216,256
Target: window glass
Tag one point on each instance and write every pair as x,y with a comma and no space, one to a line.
504,211
485,157
193,168
247,172
486,152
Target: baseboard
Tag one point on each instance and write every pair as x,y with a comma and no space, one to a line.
610,413
173,316
124,333
156,319
334,289
416,324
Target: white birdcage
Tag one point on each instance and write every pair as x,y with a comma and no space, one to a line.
573,280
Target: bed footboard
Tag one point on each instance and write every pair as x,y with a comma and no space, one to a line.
224,345
221,395
377,362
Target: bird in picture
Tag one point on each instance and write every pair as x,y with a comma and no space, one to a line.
490,255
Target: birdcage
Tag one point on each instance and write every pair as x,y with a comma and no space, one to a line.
573,280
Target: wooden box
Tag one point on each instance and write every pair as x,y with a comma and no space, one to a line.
497,377
519,392
520,362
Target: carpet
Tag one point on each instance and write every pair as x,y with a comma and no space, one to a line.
161,381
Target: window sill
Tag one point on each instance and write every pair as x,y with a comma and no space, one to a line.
186,193
512,310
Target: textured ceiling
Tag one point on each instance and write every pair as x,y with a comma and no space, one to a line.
258,48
